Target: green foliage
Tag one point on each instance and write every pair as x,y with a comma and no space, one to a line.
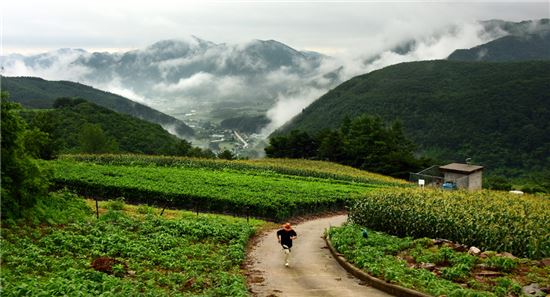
383,255
187,256
80,126
61,207
495,113
256,192
304,168
117,204
23,181
375,255
498,183
296,145
226,155
364,142
93,140
501,263
145,209
486,219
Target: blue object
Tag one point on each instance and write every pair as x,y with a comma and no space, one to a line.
365,234
448,186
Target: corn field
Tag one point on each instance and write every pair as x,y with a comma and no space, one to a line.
489,220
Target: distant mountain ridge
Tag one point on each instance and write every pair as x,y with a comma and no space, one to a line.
528,40
179,75
33,92
495,113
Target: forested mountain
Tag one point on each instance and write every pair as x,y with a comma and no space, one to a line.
75,125
33,92
528,40
495,113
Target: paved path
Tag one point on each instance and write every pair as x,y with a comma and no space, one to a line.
312,272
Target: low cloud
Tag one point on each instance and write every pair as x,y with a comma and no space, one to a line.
173,76
287,107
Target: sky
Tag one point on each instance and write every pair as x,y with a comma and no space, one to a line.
330,27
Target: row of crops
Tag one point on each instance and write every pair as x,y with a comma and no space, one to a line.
486,219
264,194
121,254
298,167
434,267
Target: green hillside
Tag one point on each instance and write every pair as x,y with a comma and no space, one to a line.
66,125
33,92
508,48
495,113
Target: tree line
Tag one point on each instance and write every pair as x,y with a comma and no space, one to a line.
364,142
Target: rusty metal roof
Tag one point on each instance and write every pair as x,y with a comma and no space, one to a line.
461,168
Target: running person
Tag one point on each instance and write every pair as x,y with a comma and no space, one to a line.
285,236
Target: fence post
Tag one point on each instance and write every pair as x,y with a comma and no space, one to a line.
96,208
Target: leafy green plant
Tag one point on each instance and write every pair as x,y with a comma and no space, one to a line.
187,256
117,204
145,209
505,264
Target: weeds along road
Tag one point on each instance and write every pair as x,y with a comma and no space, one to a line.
312,272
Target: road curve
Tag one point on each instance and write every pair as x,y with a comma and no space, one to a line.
313,271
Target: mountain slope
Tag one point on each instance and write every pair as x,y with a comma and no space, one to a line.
65,125
495,113
508,48
34,92
528,40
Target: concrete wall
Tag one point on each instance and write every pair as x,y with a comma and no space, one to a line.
475,181
461,183
471,182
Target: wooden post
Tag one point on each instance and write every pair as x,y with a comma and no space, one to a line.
96,209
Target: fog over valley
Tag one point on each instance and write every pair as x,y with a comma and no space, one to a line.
192,76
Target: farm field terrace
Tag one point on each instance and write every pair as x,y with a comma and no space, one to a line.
298,167
261,193
143,254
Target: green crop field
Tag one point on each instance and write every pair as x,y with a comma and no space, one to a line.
298,167
487,219
143,254
263,193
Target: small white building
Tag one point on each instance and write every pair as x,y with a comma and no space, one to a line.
464,176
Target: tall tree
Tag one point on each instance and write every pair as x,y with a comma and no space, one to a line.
23,181
93,140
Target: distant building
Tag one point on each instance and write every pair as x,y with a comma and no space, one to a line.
450,176
464,176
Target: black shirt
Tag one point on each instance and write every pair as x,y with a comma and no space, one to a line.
285,236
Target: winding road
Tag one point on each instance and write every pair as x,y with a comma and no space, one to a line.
312,272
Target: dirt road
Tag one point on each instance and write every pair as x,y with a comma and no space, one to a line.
312,271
